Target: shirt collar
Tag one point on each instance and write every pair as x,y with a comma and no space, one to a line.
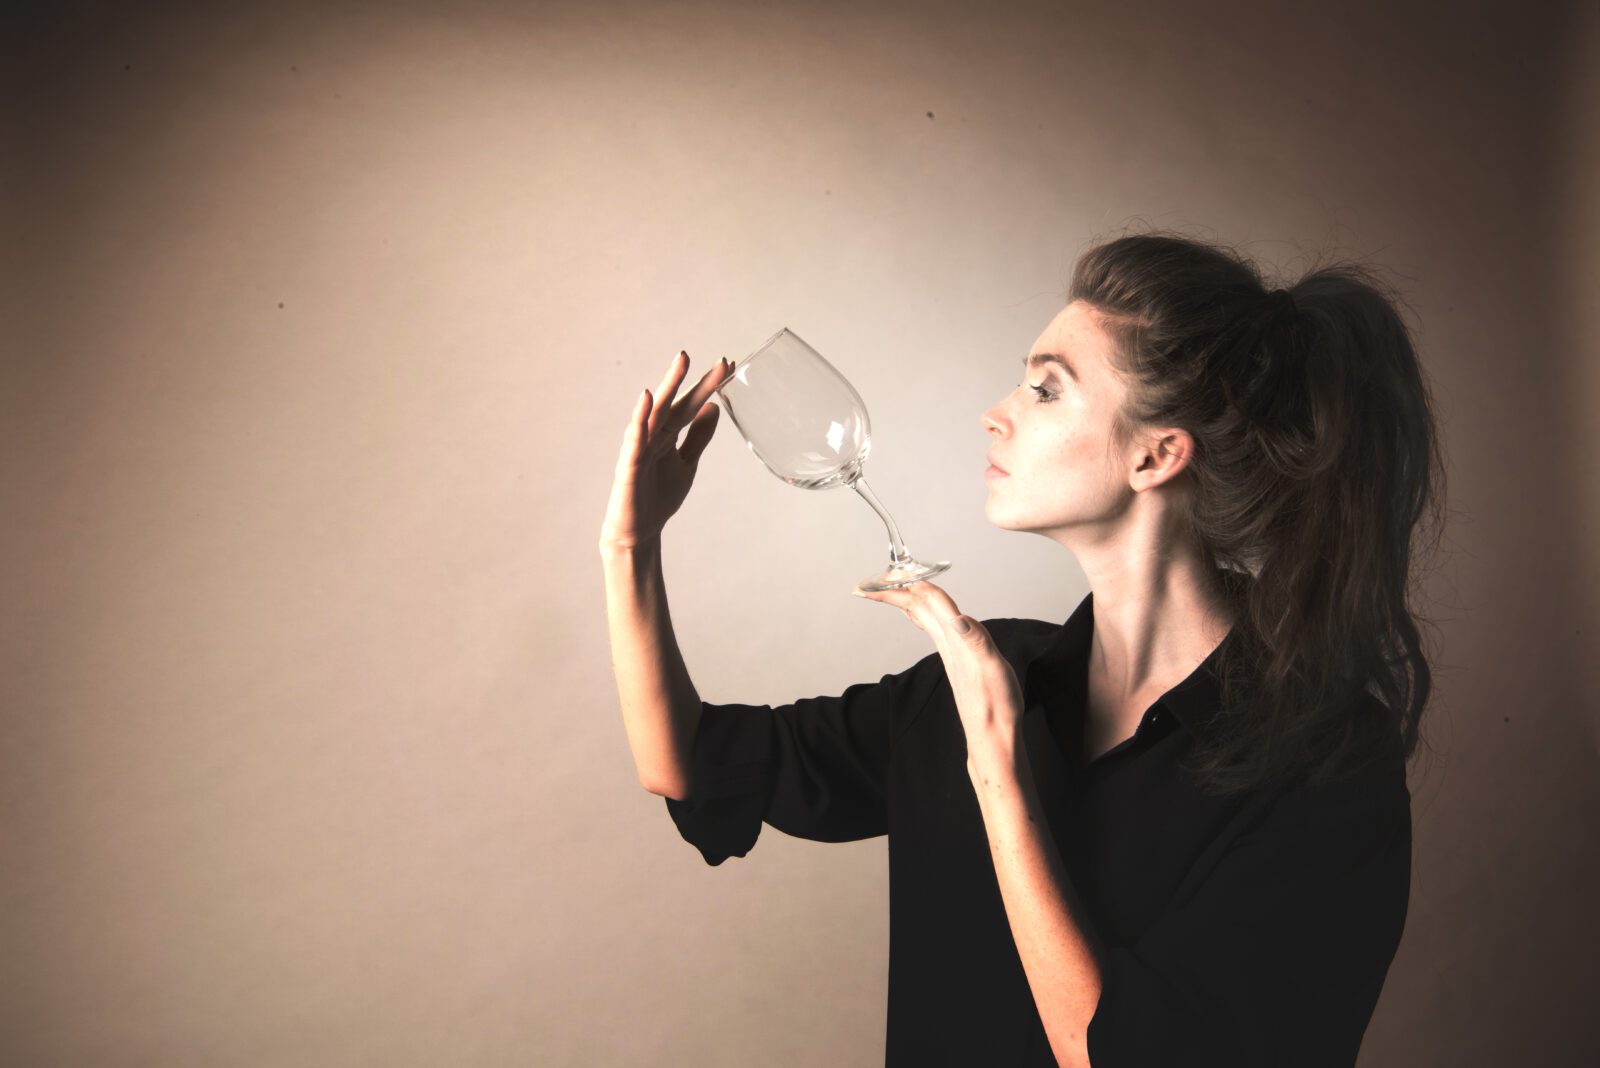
1192,702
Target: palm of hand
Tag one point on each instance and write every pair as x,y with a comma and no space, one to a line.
654,473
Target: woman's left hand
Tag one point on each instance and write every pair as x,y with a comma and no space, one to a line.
987,694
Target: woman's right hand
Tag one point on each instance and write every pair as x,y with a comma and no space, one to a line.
653,472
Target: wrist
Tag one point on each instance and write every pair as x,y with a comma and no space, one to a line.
621,551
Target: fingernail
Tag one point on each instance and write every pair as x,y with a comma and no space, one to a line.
961,625
857,593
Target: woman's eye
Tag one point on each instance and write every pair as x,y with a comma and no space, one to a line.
1045,396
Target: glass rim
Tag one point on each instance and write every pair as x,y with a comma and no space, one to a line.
765,345
757,351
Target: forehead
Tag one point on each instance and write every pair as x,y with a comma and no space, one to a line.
1076,334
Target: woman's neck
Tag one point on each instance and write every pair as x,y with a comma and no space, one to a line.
1155,621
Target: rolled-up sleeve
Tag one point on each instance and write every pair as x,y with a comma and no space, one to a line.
1278,956
814,769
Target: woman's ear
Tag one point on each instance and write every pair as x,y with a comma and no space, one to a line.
1162,456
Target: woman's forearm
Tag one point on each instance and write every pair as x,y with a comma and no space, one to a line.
660,706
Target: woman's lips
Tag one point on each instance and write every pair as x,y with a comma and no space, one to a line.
994,472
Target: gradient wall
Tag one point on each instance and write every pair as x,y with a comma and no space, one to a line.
322,325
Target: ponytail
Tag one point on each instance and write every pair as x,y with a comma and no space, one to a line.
1316,461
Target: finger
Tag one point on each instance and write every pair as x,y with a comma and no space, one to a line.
699,435
690,406
633,438
923,594
899,597
669,389
914,607
927,605
940,602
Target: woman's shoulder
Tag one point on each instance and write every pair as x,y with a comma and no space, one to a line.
1367,780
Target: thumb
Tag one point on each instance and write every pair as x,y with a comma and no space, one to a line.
968,628
700,431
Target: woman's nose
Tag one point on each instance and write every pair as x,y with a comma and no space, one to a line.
990,421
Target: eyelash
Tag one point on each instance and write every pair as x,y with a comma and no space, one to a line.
1045,396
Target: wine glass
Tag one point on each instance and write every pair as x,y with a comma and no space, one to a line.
809,426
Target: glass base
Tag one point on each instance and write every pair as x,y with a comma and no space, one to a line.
902,575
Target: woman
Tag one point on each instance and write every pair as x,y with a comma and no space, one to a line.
1174,830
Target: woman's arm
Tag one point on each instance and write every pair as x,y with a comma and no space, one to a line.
660,706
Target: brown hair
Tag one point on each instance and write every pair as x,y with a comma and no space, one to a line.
1315,458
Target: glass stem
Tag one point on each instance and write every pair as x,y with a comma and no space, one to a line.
898,557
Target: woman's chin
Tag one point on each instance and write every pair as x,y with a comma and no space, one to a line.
998,517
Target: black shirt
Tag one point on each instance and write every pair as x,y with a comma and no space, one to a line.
1253,931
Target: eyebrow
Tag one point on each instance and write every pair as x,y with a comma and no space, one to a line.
1050,357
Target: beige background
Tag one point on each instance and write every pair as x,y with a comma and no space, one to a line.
322,324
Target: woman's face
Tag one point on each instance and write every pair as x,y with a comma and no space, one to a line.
1052,436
